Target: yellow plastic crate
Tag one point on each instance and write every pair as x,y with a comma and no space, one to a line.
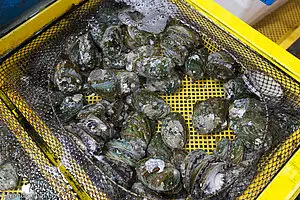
219,29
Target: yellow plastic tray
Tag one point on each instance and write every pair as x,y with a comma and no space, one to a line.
183,101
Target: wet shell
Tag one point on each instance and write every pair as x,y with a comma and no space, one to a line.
66,77
236,89
116,170
129,152
166,86
136,38
177,158
157,67
149,103
158,175
137,126
221,66
112,42
140,189
210,116
104,83
8,177
248,120
173,131
158,148
96,109
70,107
129,81
172,50
95,126
84,53
195,65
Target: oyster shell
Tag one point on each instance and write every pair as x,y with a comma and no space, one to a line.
221,66
129,152
210,115
96,109
177,158
70,107
248,120
92,144
95,126
66,77
116,170
112,42
173,131
8,177
129,81
140,189
136,38
236,89
137,126
195,65
149,103
158,148
165,86
157,67
83,52
229,151
104,83
159,175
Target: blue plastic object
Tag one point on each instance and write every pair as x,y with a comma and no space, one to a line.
10,10
268,2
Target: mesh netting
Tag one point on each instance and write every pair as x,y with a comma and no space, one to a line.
25,78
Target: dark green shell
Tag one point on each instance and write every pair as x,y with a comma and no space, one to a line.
66,77
165,86
117,62
177,158
96,109
157,67
104,83
173,131
158,175
112,42
230,151
195,65
158,148
149,103
129,82
248,120
83,52
129,152
143,191
221,66
137,126
95,126
174,51
70,107
135,38
210,116
236,89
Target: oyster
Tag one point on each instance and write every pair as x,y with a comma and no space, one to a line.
112,42
137,126
149,103
173,131
176,42
248,120
230,151
136,38
83,52
210,115
66,77
116,170
96,109
236,89
129,81
141,52
195,65
70,106
117,62
140,189
165,86
159,175
95,126
129,152
104,83
221,66
177,157
158,148
157,67
92,144
8,177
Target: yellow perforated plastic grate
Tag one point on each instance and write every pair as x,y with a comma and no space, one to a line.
279,23
16,192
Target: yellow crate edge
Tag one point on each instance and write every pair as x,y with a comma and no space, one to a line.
249,36
290,38
31,26
286,184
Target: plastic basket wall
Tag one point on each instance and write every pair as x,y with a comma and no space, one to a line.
24,80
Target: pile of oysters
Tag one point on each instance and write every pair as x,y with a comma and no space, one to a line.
130,69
